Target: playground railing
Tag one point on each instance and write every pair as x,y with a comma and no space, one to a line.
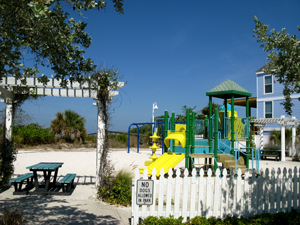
237,152
224,144
254,153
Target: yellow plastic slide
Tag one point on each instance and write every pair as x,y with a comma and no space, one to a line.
166,161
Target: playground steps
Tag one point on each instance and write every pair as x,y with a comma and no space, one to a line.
229,162
202,156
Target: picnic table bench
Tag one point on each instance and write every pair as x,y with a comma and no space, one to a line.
18,182
67,182
271,153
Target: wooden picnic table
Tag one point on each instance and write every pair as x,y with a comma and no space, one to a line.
47,168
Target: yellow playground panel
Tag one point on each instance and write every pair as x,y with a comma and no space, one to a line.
179,135
239,124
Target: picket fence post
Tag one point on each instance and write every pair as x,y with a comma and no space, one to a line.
246,194
273,183
178,183
185,195
193,193
169,192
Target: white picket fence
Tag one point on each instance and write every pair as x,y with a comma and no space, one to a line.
190,196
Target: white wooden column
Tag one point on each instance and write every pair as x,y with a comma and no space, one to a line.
293,151
100,139
8,119
282,140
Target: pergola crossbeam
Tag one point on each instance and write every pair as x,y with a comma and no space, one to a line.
53,88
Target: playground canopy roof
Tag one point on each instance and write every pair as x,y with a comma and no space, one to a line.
228,89
242,102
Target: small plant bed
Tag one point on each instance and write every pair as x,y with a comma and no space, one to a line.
292,217
117,189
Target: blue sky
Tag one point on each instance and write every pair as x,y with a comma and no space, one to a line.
172,53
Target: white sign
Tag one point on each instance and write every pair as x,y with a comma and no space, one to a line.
144,192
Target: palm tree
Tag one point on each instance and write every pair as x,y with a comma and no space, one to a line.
69,125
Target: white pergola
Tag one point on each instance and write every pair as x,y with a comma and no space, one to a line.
283,122
52,88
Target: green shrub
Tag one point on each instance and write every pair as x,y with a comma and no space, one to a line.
291,217
91,138
161,220
32,134
7,157
117,190
296,158
122,138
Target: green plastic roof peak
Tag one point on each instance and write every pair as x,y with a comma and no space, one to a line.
228,89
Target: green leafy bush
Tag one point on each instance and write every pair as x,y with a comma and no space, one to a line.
296,158
122,138
91,138
7,157
117,190
32,134
291,217
161,220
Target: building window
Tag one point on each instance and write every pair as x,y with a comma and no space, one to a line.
268,110
268,85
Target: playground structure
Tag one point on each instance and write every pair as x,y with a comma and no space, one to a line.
220,138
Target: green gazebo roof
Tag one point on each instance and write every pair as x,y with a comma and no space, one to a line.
228,89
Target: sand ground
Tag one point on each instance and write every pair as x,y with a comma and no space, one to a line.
82,207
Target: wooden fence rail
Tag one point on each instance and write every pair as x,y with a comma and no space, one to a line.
236,194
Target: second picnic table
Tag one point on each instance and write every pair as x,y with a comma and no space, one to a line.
47,168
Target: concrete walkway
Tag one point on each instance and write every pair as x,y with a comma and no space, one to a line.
79,208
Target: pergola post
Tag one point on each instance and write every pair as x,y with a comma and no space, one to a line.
261,133
100,139
282,140
293,151
8,119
